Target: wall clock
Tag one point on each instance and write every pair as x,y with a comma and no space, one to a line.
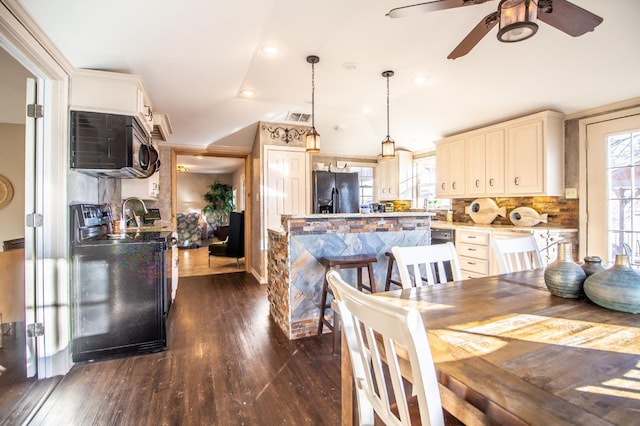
6,191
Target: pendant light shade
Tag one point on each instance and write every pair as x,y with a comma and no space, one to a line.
388,145
313,137
517,20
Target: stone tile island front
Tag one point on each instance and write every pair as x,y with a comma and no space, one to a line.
295,274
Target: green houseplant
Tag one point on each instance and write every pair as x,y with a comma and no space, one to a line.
219,203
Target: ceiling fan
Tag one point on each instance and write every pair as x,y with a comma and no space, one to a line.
517,19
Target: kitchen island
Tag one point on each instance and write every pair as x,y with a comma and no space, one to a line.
295,274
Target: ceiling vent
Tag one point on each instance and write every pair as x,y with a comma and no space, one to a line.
298,117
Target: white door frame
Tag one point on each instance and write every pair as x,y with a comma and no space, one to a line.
47,252
582,132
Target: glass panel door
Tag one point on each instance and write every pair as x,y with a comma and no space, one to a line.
613,194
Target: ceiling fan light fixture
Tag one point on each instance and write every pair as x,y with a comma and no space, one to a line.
517,20
313,137
388,145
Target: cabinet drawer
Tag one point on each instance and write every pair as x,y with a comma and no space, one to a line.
474,265
472,237
473,250
466,275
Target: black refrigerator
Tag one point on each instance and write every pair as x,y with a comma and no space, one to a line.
336,192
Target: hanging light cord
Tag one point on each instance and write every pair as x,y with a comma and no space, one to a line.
313,96
388,137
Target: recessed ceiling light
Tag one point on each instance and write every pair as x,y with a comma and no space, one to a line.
366,109
247,93
270,50
421,79
350,66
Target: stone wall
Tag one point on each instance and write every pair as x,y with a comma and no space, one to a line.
560,211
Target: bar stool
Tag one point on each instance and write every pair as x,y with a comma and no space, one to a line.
359,262
390,281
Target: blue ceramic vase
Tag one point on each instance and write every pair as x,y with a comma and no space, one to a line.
616,288
592,264
564,277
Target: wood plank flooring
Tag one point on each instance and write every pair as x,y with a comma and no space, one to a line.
227,364
195,262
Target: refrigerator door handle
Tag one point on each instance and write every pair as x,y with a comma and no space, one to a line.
336,200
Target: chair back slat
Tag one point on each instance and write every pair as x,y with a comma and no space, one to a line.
432,264
516,254
382,339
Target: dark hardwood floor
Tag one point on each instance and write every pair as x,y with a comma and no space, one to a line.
227,364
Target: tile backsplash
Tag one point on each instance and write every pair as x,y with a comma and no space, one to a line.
560,211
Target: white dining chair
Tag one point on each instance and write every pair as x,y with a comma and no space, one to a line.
377,333
516,254
427,265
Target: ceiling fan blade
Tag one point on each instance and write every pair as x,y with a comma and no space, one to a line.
569,18
476,34
431,6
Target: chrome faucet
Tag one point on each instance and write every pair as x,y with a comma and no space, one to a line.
135,218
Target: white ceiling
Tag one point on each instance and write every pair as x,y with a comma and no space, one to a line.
196,57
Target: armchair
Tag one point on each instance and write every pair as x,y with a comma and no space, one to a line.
233,246
189,232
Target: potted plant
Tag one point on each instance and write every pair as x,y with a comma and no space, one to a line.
219,205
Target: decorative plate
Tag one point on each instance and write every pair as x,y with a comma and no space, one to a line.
526,216
6,191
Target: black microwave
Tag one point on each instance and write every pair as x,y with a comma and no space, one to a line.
108,145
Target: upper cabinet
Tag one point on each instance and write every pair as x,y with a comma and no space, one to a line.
395,177
114,93
520,157
534,160
450,168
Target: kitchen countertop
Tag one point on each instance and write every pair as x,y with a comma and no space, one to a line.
439,224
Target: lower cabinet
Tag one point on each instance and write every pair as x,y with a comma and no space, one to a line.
473,250
477,259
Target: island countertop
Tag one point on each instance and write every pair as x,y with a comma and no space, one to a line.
295,273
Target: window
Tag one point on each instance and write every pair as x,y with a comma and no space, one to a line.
425,179
366,183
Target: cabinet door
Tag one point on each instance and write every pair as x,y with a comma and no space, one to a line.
476,165
145,188
387,179
525,158
451,168
494,162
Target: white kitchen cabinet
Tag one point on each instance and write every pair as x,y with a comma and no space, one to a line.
395,177
112,93
451,168
473,250
485,163
534,161
145,189
520,157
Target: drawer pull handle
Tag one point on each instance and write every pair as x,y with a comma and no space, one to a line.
471,263
471,249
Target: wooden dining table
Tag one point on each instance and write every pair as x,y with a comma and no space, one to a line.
506,351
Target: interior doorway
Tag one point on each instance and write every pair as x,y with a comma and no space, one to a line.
194,173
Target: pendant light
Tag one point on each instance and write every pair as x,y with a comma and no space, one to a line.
388,145
517,20
313,137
